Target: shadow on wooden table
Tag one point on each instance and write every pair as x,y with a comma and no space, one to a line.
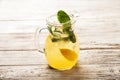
71,74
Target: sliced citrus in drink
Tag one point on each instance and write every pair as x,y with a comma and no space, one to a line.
61,54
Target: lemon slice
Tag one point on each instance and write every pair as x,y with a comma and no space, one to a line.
61,55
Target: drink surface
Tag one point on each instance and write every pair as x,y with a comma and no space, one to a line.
61,54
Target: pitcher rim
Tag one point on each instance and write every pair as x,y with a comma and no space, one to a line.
72,21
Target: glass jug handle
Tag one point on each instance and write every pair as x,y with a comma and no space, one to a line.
39,40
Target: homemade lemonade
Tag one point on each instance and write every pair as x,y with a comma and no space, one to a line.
61,47
62,54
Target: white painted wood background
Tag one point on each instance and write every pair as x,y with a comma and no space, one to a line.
98,30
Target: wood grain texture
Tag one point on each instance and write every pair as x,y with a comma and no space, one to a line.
97,28
84,72
26,41
91,65
90,57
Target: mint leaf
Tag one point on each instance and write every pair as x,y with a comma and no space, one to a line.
50,30
64,18
72,36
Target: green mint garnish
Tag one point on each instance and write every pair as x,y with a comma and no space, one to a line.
50,29
64,19
62,16
56,39
72,36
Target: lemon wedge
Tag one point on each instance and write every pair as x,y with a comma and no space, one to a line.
61,55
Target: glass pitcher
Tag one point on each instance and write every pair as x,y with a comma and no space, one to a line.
61,53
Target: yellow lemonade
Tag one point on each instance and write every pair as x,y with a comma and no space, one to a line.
61,54
61,45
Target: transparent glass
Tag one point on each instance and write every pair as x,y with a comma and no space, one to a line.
56,29
61,53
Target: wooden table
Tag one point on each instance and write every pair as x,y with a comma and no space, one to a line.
98,30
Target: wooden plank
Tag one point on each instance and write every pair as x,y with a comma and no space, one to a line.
99,57
96,57
44,78
92,65
92,72
21,26
93,23
31,10
26,41
21,58
16,41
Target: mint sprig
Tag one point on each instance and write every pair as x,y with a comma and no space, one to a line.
64,19
63,16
